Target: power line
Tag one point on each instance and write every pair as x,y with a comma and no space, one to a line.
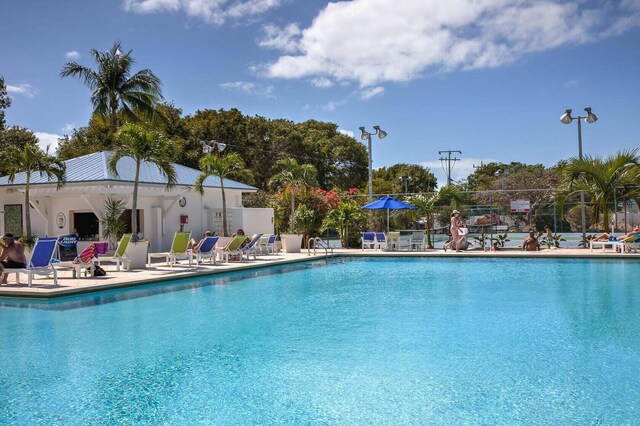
448,160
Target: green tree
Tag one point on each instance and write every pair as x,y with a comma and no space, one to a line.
5,102
293,177
31,159
114,88
345,218
86,140
14,137
224,167
142,146
391,180
616,177
426,203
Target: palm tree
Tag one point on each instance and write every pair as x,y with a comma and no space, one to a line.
348,214
604,180
142,146
426,204
228,166
31,159
293,177
113,87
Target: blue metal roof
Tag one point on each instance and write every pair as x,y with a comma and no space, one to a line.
93,168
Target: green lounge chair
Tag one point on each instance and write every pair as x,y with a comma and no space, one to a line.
179,250
233,248
120,256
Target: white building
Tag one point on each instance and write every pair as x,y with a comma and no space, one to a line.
80,202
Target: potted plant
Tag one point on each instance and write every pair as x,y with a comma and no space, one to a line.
292,179
113,226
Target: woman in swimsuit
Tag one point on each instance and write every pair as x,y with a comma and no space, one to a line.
455,229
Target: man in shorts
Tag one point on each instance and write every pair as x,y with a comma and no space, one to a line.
12,256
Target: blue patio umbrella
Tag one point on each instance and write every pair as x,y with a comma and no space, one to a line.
388,203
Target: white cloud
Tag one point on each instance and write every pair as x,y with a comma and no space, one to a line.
376,41
285,39
210,11
250,88
369,93
322,82
68,128
459,170
48,139
349,133
72,55
22,89
332,105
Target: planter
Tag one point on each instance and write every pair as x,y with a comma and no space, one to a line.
291,243
137,252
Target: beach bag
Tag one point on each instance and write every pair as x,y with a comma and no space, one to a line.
98,271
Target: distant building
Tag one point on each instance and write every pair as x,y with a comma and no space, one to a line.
161,212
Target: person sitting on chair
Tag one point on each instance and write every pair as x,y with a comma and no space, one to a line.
531,243
195,246
12,255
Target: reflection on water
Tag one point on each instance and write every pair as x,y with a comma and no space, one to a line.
110,296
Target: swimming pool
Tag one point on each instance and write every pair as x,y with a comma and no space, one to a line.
350,341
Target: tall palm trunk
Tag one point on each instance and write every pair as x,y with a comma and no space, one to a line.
113,116
427,217
225,233
292,225
27,206
134,204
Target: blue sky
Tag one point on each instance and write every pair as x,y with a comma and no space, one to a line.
489,78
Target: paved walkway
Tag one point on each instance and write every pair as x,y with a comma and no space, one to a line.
67,285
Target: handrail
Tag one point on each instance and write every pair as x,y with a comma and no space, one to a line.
318,242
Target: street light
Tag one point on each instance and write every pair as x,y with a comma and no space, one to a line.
367,136
566,118
405,180
212,146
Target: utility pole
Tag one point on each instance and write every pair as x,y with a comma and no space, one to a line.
448,159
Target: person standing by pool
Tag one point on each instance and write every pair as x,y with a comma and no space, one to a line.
549,236
456,223
12,255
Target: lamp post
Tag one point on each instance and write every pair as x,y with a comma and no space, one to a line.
367,136
212,146
566,118
405,180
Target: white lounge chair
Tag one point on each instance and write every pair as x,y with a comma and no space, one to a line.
39,262
206,250
179,250
120,256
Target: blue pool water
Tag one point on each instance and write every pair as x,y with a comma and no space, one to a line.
353,341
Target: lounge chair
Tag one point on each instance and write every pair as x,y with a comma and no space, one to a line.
232,248
179,250
252,247
393,241
267,244
369,240
120,256
206,250
381,240
611,242
417,241
629,244
39,262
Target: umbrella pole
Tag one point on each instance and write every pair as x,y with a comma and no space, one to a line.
387,221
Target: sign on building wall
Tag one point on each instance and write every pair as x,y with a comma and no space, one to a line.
520,206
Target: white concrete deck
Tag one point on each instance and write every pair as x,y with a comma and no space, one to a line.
159,272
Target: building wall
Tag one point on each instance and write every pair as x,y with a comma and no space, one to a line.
161,210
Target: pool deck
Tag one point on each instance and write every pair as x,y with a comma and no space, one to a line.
43,288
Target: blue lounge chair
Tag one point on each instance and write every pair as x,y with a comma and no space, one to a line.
206,250
267,244
368,240
40,261
252,247
381,240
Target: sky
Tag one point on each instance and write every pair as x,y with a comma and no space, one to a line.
490,78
